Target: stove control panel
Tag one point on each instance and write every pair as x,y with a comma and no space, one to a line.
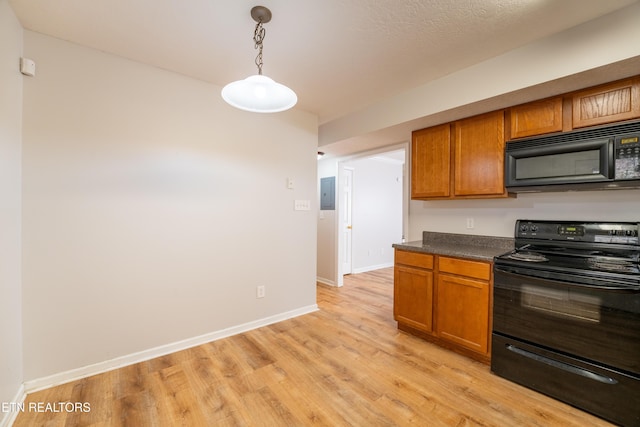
626,233
571,230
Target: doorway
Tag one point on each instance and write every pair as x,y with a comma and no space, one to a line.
372,210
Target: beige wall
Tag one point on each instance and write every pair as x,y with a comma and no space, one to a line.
576,58
559,63
497,217
592,45
152,209
10,136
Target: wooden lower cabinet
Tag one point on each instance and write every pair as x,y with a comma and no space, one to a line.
463,312
413,290
413,297
444,300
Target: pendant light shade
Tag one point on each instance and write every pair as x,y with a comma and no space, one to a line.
258,93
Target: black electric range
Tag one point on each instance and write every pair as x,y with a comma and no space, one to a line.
566,314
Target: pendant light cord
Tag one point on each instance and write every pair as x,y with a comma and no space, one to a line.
258,37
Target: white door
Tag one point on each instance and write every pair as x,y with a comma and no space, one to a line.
347,186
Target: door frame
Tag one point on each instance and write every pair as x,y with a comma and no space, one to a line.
346,218
339,279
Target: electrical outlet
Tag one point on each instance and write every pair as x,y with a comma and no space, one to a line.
260,291
470,223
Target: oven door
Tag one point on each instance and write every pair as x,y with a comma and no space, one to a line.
589,322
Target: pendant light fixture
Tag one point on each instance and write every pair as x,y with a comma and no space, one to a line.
259,93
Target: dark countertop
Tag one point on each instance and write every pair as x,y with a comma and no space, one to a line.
482,248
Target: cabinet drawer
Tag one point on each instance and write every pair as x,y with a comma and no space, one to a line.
462,267
414,259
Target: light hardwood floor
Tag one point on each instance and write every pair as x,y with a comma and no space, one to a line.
345,365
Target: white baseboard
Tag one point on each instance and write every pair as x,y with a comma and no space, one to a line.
372,267
9,417
119,362
325,281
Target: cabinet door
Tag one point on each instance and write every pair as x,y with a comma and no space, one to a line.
413,297
607,103
479,155
462,312
536,118
430,162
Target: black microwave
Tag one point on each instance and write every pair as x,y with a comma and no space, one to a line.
606,157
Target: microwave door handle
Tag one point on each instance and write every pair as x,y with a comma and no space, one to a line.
611,159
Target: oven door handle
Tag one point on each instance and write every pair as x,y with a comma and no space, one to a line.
531,274
561,365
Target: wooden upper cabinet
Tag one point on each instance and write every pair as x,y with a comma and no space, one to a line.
479,155
430,162
536,118
607,103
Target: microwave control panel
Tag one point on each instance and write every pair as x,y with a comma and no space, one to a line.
627,157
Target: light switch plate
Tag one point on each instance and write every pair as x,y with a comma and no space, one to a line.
302,205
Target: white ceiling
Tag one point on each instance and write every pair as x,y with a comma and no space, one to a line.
338,55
